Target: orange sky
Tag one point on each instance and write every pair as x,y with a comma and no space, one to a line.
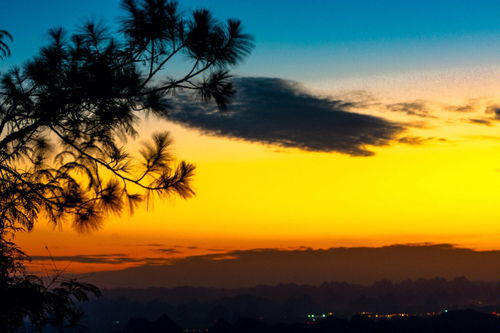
249,195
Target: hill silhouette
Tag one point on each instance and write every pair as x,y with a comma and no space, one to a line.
290,303
460,321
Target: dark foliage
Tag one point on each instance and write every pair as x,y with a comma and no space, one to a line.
4,47
29,301
86,91
65,117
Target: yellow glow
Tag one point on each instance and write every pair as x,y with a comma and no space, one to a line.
250,195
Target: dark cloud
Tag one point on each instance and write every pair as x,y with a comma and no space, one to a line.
419,140
471,107
308,266
91,258
486,122
494,110
416,108
114,259
280,112
189,247
167,251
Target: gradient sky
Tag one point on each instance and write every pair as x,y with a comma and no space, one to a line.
431,66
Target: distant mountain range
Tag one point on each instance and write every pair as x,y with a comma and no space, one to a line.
450,322
200,307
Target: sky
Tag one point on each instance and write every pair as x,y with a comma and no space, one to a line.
358,124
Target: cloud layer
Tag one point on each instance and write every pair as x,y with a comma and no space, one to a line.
280,112
308,266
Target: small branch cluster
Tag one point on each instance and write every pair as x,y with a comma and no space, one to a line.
27,298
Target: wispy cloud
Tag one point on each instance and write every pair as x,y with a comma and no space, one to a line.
465,108
113,259
476,121
494,111
168,250
419,140
416,108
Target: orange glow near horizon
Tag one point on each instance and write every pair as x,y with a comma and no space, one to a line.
252,196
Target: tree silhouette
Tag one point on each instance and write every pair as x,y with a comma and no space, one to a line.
28,300
86,91
66,115
4,47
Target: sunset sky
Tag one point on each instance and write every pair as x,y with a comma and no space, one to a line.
358,124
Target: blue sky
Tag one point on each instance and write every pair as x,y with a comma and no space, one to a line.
303,40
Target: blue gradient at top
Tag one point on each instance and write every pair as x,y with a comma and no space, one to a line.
323,21
348,36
